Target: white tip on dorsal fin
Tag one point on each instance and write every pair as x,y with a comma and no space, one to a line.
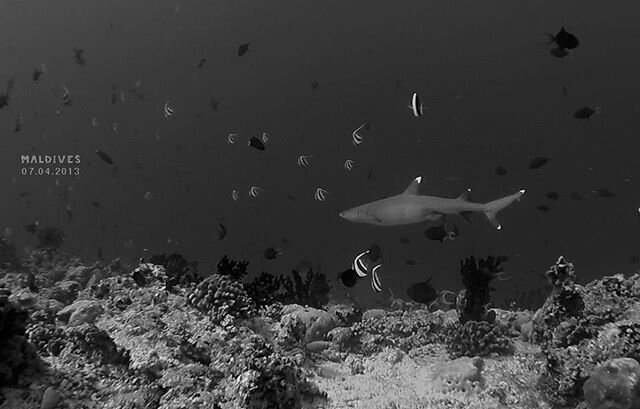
466,196
412,189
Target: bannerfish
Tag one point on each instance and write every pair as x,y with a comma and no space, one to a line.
256,143
441,233
104,157
538,162
78,54
348,277
243,49
272,253
586,112
369,261
416,105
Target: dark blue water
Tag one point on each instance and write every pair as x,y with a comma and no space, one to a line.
492,94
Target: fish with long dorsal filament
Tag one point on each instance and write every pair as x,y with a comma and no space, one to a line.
411,207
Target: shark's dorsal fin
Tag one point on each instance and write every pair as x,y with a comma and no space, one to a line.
466,195
412,189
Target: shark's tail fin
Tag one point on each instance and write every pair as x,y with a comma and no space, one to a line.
493,207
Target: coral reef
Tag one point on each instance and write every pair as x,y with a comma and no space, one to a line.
580,327
159,336
18,357
478,338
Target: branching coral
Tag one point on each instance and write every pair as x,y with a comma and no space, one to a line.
312,291
236,270
476,278
264,289
220,295
178,270
477,333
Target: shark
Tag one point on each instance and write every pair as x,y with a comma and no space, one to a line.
410,207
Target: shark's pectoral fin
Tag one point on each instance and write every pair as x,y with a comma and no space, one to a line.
432,216
466,216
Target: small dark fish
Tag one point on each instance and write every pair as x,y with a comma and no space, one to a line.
543,208
272,253
95,204
501,170
422,292
256,143
114,94
348,277
24,194
410,262
69,214
605,192
18,123
405,240
585,112
201,63
104,157
6,95
559,52
99,255
243,49
576,196
315,85
222,233
441,233
538,162
564,39
213,104
79,56
37,73
552,195
370,173
565,92
33,227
